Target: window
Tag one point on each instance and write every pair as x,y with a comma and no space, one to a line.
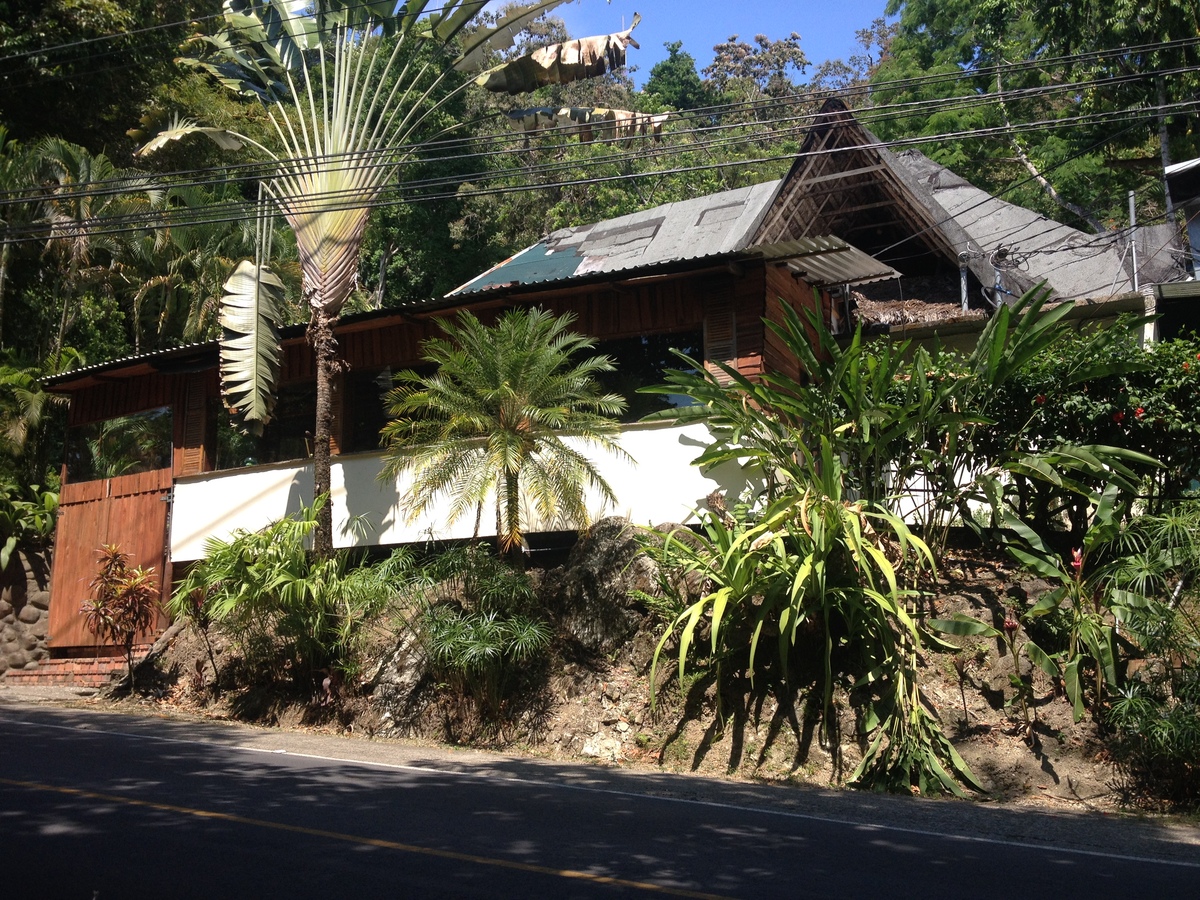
125,445
641,362
288,436
364,412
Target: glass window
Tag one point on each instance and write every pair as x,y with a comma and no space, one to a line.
288,436
364,412
641,362
125,445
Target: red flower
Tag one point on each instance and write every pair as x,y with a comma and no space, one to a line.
1186,367
1077,559
1010,625
1139,412
1118,417
1040,399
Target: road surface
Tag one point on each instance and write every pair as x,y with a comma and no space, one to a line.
115,807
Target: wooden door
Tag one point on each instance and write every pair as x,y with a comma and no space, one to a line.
129,511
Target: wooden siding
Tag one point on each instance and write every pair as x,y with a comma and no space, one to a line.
783,287
120,397
130,511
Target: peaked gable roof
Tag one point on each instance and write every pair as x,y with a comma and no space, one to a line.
912,213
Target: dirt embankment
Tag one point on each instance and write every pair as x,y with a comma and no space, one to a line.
591,701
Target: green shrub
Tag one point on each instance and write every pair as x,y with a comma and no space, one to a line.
479,625
291,612
1156,743
27,518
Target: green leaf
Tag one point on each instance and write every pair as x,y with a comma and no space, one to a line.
495,38
963,626
1041,659
249,347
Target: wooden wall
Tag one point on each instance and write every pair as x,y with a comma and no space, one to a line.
784,288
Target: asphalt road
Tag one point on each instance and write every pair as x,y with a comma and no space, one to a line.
99,806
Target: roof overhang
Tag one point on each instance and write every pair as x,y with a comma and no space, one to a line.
825,261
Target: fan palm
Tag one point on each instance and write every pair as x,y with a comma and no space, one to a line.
348,86
494,417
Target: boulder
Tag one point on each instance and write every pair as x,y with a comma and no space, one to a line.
399,674
590,597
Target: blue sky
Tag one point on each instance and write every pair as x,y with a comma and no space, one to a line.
826,30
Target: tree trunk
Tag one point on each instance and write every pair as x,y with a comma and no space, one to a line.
4,257
325,349
1096,225
1164,146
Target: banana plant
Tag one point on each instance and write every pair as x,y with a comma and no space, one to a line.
348,86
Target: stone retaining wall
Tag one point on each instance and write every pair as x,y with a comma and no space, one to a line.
24,611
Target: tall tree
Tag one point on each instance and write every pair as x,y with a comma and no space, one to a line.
86,228
339,141
675,82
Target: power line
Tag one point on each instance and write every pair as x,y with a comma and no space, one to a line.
388,157
330,201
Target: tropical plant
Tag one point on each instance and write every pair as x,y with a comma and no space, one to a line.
1089,592
496,418
478,624
27,516
289,611
125,605
340,143
16,176
1156,742
74,215
809,562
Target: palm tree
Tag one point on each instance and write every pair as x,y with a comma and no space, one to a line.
16,177
348,85
84,193
494,417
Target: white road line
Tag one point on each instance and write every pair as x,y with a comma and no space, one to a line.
510,779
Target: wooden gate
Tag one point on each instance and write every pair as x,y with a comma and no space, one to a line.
129,511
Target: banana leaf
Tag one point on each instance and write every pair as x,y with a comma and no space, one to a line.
250,350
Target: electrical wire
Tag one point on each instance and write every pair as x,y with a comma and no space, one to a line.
205,215
503,146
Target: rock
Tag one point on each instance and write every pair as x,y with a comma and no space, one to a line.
400,673
590,596
594,727
29,641
38,599
591,748
6,609
622,727
29,614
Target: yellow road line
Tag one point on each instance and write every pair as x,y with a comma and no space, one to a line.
366,841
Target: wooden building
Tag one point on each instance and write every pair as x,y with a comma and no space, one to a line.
153,466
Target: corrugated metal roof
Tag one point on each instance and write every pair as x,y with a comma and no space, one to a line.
1074,264
824,261
704,227
152,357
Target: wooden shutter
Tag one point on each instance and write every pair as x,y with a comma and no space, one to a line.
195,425
720,336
